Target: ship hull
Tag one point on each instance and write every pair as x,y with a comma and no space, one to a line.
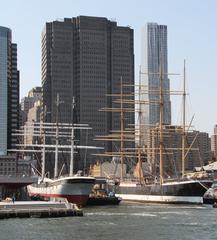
75,190
210,196
174,192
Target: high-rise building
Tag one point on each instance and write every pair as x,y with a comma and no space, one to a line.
85,58
214,141
9,90
13,98
34,95
154,59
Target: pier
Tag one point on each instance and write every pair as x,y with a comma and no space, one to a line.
39,209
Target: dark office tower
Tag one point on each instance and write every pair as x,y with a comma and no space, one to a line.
9,90
85,57
13,98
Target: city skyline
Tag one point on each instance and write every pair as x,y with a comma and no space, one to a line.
189,38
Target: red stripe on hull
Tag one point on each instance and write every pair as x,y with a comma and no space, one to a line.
77,199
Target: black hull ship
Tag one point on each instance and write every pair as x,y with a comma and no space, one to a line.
153,182
185,191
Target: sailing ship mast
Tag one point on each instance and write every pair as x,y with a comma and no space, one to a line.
71,168
161,125
57,137
43,156
122,131
183,125
139,133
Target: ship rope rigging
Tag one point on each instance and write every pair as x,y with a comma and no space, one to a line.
138,131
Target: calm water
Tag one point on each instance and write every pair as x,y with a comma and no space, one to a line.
134,221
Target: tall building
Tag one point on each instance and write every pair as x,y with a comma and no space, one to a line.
13,98
214,141
34,115
85,57
34,95
154,58
9,90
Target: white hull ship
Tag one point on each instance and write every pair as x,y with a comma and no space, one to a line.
75,189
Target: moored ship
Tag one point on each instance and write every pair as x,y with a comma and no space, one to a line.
184,191
75,189
160,187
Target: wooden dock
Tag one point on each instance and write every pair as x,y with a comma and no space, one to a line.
38,209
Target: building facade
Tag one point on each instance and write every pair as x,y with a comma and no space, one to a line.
34,95
154,60
198,150
84,58
9,90
34,115
214,141
13,98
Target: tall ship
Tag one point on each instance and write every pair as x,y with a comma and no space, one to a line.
156,185
73,187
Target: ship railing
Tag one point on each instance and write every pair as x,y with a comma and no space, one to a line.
187,179
67,203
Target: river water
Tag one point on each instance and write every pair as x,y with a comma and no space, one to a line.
126,221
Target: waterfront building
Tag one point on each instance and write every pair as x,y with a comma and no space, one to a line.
34,95
9,90
34,115
84,58
214,141
154,57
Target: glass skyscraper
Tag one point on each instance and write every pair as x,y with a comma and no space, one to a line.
154,57
5,38
9,90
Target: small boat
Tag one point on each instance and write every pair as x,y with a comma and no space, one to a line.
102,195
210,196
101,201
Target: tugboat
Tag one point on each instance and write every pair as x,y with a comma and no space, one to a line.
102,195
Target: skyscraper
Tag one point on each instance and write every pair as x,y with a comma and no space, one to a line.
85,57
154,58
13,98
9,90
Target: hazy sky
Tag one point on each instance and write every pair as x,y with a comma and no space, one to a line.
192,35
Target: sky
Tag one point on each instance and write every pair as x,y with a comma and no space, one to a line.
192,35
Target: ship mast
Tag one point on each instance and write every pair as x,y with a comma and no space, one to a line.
44,143
57,137
71,169
139,133
122,132
43,157
183,124
161,124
